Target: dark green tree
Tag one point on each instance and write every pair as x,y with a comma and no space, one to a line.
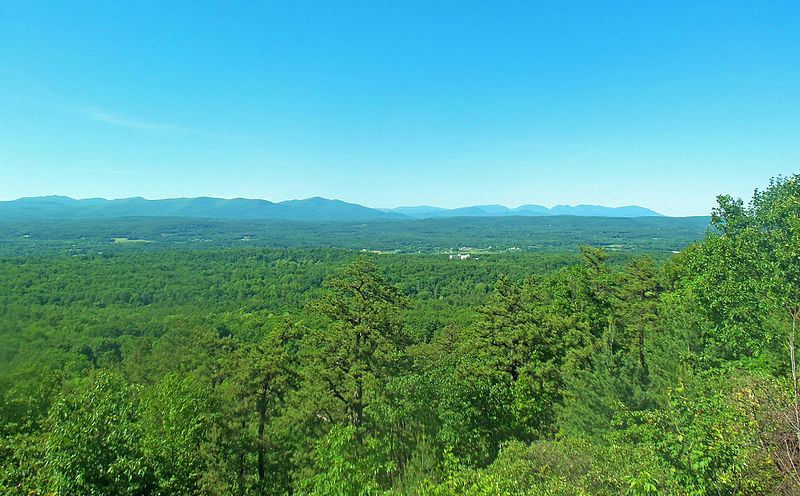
350,360
359,350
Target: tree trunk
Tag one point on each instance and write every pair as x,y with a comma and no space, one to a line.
794,374
240,475
641,347
262,418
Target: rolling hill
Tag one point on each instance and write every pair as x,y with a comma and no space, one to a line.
310,209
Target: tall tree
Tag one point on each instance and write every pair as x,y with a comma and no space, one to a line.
353,357
348,364
253,455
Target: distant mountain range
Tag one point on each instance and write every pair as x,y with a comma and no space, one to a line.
310,209
526,210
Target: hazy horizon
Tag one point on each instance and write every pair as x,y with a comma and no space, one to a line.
376,207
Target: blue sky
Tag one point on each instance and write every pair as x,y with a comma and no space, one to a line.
660,104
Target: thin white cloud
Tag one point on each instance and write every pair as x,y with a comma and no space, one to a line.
101,115
36,94
579,157
28,91
109,118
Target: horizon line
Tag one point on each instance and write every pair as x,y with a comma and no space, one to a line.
353,203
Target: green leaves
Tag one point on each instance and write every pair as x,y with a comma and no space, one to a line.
748,272
575,374
345,466
704,435
176,415
95,441
347,368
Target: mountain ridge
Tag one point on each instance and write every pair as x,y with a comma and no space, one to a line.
424,212
308,209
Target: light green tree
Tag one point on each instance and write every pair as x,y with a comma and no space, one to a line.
95,440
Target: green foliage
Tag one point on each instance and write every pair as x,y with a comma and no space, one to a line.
357,353
345,465
551,234
22,467
617,377
705,438
94,444
322,371
745,276
570,466
176,415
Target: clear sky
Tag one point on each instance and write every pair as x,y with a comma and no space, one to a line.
659,104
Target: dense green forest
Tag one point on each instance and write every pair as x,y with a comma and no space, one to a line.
327,371
555,234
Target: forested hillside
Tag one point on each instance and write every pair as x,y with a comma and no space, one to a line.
558,234
325,371
310,209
